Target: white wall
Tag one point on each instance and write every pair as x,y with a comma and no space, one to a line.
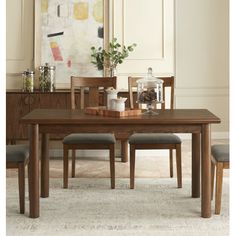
190,41
202,57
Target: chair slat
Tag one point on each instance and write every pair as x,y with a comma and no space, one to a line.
94,84
168,82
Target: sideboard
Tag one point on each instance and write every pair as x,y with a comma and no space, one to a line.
20,103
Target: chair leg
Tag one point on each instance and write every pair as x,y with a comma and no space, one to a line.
65,167
179,165
28,174
219,178
73,164
112,165
171,162
132,165
212,178
21,180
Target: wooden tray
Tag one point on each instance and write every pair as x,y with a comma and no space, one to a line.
102,111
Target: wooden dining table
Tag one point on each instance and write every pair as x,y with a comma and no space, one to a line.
56,121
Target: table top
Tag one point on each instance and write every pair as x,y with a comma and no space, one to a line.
65,116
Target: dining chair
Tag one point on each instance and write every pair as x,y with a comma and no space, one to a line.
91,86
139,141
17,156
219,161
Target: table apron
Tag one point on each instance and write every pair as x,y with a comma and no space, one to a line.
119,129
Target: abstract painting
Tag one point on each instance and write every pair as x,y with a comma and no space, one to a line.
69,28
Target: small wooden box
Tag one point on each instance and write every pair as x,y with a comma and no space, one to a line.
102,111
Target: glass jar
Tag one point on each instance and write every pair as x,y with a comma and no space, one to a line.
150,91
28,80
47,78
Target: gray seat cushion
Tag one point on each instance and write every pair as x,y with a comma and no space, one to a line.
91,138
220,152
17,153
154,139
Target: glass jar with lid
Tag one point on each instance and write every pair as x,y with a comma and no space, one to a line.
150,91
47,78
28,80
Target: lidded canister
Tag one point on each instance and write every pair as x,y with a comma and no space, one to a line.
150,92
47,78
28,80
150,89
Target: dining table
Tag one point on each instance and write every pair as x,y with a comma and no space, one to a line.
43,122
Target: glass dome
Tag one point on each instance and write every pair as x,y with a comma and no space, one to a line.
150,91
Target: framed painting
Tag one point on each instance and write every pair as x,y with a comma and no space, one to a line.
65,31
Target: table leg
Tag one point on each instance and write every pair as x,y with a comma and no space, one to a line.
34,172
45,165
206,172
196,154
124,150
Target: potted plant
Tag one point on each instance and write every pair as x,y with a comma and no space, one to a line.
112,57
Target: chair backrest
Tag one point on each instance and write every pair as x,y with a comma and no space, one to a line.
168,82
94,85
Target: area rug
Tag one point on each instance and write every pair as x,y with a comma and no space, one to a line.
90,207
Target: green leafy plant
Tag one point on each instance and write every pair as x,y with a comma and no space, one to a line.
112,57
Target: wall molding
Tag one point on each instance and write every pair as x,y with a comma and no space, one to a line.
162,57
21,57
13,74
120,27
206,91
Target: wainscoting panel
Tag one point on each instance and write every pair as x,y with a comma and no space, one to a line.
150,24
19,35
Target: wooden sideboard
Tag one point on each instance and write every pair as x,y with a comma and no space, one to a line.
20,103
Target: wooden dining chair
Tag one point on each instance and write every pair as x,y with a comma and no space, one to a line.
89,140
17,156
139,141
219,161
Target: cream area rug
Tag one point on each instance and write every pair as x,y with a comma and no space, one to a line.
90,208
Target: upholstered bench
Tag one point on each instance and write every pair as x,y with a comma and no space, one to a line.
220,160
17,156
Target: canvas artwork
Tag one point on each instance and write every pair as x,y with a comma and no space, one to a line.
69,28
